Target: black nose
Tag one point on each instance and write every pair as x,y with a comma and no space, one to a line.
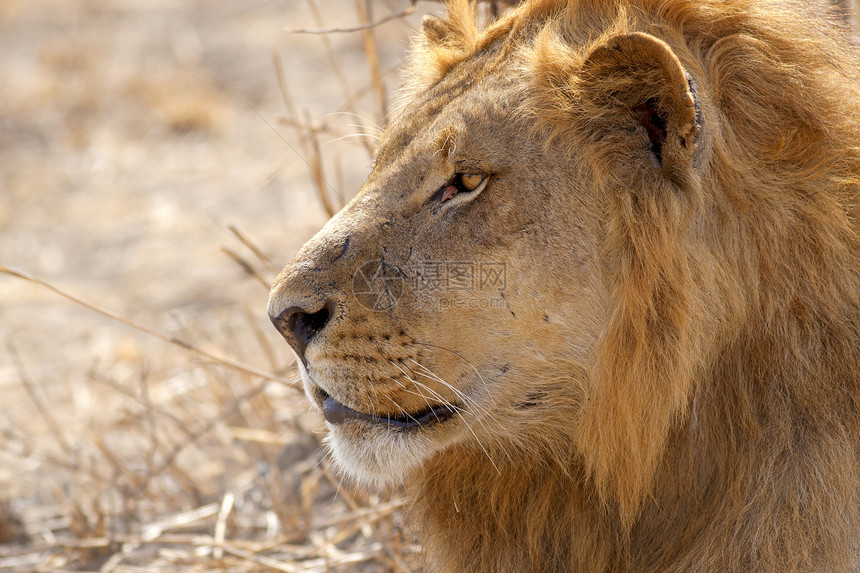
299,327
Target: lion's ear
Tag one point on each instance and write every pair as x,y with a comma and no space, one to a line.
457,30
636,81
445,42
436,29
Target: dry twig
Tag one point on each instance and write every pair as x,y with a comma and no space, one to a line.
360,27
44,410
169,339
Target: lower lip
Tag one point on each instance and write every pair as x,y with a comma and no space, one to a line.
337,413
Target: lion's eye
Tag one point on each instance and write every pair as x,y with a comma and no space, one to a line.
471,182
460,183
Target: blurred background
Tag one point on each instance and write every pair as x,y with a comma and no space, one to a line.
162,160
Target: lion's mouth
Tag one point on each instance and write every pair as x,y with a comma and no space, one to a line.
336,413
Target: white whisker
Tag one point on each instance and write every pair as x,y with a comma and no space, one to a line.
467,361
466,399
368,136
402,411
408,391
366,121
463,397
458,411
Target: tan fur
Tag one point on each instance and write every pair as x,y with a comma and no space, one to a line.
671,381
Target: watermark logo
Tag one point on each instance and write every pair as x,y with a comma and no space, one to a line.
493,276
457,276
378,285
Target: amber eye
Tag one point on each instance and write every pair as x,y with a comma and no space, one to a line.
461,183
470,182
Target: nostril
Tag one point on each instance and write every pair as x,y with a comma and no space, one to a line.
305,326
300,327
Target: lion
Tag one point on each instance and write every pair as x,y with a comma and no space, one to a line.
597,305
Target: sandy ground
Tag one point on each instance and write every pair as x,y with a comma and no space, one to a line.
134,135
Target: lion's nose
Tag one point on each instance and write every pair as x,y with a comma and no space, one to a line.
308,293
299,327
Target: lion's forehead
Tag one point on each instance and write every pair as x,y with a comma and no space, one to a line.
475,92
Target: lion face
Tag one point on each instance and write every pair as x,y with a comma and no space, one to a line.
454,293
518,275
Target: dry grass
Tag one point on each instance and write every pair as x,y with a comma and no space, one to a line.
157,166
156,159
200,463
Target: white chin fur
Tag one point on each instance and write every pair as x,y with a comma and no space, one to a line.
376,457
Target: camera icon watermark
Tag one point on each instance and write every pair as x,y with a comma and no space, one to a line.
378,285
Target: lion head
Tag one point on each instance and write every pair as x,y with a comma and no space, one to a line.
597,304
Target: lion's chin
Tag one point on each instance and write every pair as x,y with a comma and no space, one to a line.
376,456
377,451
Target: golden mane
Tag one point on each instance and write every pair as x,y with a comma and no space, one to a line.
672,379
772,273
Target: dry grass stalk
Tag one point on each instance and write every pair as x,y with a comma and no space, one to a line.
309,144
334,62
171,340
256,250
202,465
221,524
246,267
315,163
363,26
38,399
363,8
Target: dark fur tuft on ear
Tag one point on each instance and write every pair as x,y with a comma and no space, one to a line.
444,43
436,29
655,123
